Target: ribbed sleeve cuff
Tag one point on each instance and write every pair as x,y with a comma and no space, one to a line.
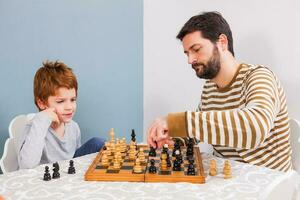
177,125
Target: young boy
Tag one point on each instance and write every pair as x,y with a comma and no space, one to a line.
51,135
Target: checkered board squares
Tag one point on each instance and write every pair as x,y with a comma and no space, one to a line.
98,172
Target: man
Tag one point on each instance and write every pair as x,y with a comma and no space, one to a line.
242,112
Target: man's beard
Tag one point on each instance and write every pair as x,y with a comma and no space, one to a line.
211,69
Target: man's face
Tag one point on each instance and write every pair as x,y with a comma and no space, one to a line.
64,103
202,54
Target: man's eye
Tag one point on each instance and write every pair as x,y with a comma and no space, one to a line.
197,50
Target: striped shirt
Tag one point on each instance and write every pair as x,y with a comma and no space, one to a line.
245,121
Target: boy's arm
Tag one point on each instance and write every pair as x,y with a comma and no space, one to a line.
32,142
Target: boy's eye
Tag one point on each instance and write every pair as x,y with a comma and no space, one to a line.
59,101
73,100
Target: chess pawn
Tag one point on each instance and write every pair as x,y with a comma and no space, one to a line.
191,170
163,163
212,167
152,168
71,169
116,164
137,168
104,160
227,170
142,155
118,156
47,175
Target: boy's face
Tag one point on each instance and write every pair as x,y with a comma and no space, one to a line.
64,103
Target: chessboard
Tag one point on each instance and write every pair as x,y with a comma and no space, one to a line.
125,172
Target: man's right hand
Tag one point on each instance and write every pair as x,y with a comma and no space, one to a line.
158,133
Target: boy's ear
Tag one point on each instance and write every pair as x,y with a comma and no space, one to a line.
41,104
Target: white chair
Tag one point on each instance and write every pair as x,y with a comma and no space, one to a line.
9,160
284,187
295,143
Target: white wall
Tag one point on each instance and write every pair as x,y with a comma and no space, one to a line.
264,32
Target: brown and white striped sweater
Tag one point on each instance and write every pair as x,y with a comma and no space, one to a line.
246,121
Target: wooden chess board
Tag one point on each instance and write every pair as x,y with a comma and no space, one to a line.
98,172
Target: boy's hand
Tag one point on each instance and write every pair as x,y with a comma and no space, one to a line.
51,112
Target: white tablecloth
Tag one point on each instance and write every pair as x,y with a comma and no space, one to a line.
248,182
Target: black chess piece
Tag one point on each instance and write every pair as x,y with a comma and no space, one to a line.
176,147
47,175
152,152
71,169
152,168
178,156
176,165
191,160
133,135
190,151
56,173
191,170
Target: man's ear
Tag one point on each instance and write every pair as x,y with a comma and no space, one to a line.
41,104
223,42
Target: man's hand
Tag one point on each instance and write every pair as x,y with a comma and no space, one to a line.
51,112
158,133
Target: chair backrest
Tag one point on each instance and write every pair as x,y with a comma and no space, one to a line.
295,143
9,160
283,187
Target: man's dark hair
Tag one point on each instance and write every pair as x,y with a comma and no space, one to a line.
211,25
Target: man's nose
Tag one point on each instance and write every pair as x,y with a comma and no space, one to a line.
192,59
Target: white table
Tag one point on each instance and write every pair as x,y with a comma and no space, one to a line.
248,182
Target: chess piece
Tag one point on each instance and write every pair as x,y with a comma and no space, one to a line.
47,175
178,156
152,152
132,152
176,147
163,163
227,170
191,170
112,135
137,168
141,155
71,169
56,173
152,168
133,135
190,151
104,160
176,165
116,164
118,156
212,167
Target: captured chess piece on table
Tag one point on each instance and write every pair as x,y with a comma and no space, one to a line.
227,170
47,175
56,173
212,167
71,169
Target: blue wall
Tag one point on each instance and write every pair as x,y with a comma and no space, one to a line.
102,40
